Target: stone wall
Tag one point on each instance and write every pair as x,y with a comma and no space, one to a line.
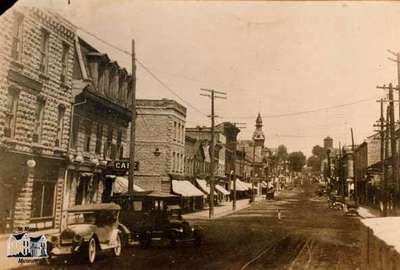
24,78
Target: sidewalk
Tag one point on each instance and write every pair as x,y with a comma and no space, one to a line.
10,263
368,212
222,210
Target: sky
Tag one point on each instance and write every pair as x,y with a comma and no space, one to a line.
310,68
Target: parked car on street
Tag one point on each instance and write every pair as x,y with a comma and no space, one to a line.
90,228
156,218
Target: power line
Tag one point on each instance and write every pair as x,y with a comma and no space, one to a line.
309,111
165,85
152,74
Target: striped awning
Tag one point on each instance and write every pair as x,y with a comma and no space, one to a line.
185,189
121,185
241,186
203,186
221,189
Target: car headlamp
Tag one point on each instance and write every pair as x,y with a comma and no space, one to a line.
54,239
77,238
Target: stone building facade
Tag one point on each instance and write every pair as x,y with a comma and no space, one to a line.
159,143
36,60
101,117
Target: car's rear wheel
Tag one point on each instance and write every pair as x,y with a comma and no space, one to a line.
91,250
117,250
145,240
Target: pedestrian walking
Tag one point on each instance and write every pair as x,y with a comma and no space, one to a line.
279,214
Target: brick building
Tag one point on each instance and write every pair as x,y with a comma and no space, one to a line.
203,134
36,60
160,143
101,117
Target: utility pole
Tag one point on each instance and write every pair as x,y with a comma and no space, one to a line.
393,148
213,96
133,124
397,61
354,167
381,124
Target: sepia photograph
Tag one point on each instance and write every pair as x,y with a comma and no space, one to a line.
199,135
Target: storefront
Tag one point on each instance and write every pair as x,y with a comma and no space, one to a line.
191,197
30,191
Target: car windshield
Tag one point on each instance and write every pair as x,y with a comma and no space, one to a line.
82,218
175,215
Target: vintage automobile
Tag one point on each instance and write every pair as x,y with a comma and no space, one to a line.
90,228
156,216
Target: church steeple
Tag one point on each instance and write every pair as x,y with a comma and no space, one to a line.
259,121
258,135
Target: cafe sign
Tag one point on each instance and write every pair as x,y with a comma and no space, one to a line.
125,164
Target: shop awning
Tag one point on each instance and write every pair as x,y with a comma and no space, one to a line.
240,186
185,189
203,186
264,184
221,189
121,185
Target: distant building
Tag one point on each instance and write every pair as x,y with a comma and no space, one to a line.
160,143
203,134
328,143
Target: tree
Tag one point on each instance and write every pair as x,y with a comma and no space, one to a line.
319,151
315,163
297,160
282,152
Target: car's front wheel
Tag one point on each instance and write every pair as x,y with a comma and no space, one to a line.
117,250
197,239
91,251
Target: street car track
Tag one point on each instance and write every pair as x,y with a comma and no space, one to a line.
300,249
262,252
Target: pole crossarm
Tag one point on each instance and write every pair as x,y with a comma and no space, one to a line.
212,90
387,87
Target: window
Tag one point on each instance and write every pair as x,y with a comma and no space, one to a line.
11,113
88,133
108,143
75,131
173,161
44,51
64,62
119,144
99,138
60,124
43,198
85,190
37,132
16,47
174,130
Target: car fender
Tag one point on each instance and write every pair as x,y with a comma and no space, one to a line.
123,229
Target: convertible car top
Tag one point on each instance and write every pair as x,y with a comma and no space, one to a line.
94,207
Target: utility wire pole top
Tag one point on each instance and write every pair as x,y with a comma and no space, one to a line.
212,96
